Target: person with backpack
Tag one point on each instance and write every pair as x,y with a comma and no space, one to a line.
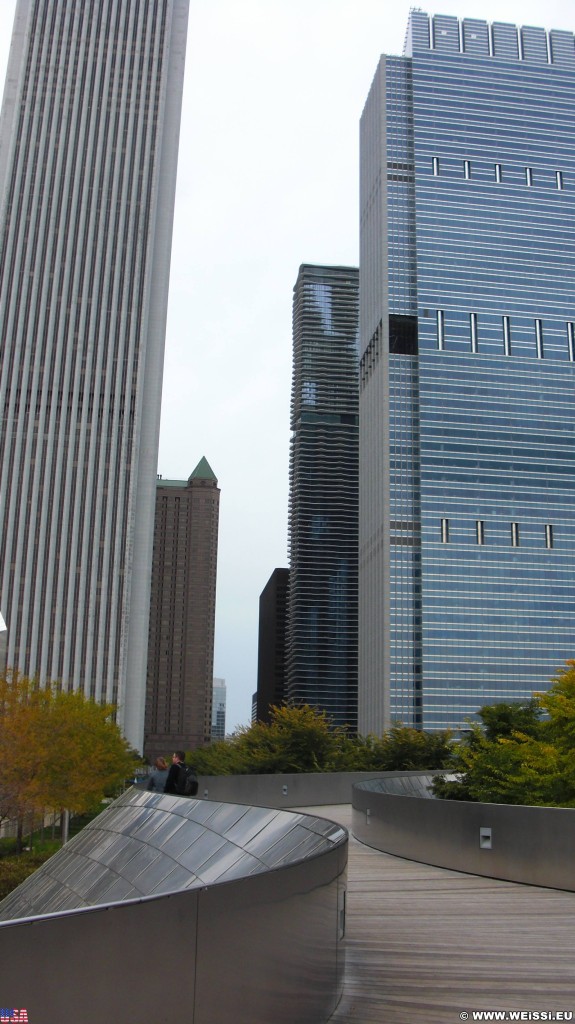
182,778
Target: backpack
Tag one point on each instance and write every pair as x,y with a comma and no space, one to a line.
187,781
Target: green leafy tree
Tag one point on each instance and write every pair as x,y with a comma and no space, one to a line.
559,704
508,770
302,739
523,753
503,720
407,749
558,729
297,739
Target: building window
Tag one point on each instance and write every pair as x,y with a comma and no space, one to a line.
435,165
559,180
539,338
515,535
445,531
467,169
498,173
506,335
480,531
529,176
571,340
440,330
548,535
473,331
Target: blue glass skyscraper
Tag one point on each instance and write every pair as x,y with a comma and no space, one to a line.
467,374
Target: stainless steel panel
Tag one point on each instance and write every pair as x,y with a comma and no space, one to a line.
250,825
271,834
97,848
165,830
155,822
127,819
292,948
119,889
133,963
120,853
77,870
283,791
201,850
91,880
532,845
246,865
282,850
142,859
289,970
225,817
196,810
152,875
219,863
178,878
185,835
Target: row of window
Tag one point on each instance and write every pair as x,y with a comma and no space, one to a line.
480,533
498,175
505,335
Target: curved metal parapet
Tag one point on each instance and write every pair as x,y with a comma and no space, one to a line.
404,784
146,844
398,814
184,907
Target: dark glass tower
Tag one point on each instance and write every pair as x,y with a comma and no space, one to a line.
323,514
271,690
467,532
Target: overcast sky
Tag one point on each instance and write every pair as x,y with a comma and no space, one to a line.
267,180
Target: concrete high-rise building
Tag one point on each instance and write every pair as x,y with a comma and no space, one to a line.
323,512
219,701
182,614
272,644
467,375
88,151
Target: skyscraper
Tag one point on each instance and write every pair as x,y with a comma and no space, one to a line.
467,539
322,601
219,701
272,623
182,614
88,151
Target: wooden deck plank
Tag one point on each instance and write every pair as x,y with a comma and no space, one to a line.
424,943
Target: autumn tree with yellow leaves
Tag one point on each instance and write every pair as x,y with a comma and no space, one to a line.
58,749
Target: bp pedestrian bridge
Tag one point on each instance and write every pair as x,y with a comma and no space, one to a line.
304,898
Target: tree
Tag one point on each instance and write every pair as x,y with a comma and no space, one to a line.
302,739
297,739
559,704
519,769
523,753
21,707
503,720
58,749
87,756
406,749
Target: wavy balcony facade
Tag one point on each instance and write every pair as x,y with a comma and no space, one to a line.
323,505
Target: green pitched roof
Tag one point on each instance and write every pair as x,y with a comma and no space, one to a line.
203,471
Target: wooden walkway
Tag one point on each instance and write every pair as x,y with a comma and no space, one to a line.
424,943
